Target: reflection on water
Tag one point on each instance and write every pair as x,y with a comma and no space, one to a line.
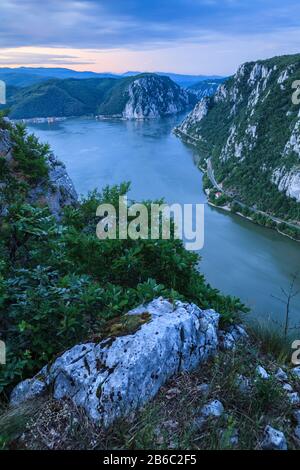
239,257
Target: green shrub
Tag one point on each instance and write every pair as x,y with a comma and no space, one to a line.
60,284
30,154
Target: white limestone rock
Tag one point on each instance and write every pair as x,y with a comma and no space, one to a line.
281,375
287,181
152,96
273,439
296,372
118,375
5,142
262,373
296,416
195,116
213,409
203,389
29,388
229,338
226,340
221,94
297,432
294,398
287,387
243,383
58,192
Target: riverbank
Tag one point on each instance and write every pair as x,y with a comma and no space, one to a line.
91,151
262,218
227,209
41,120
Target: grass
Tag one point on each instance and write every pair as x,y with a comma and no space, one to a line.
13,421
271,342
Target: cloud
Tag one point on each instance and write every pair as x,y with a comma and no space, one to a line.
28,57
204,36
136,24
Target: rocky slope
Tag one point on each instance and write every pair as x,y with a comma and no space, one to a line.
151,96
251,130
137,97
206,88
56,191
207,381
118,375
146,96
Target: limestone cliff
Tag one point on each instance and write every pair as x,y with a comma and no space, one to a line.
250,129
154,96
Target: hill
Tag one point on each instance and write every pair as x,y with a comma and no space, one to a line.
145,95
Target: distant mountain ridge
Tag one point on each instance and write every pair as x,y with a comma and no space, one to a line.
137,97
26,76
185,81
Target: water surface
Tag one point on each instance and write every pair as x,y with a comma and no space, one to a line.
238,257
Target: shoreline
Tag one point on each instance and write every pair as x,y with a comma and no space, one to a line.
192,141
228,210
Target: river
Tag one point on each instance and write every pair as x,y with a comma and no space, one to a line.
239,258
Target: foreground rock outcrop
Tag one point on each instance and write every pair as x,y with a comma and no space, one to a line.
118,375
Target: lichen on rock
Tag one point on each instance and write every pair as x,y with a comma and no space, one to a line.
110,379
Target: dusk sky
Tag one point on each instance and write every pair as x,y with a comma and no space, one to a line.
184,36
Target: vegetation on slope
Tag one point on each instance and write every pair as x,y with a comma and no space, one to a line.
77,97
70,97
60,285
249,176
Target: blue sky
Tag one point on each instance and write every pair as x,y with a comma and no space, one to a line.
187,36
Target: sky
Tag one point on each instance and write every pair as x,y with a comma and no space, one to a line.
211,37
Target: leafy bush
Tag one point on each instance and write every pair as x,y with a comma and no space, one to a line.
60,284
30,154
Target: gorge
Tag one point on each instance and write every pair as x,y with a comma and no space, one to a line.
254,258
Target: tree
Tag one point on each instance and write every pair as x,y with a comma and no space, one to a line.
288,296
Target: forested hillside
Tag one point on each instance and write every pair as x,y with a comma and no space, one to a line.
141,96
251,131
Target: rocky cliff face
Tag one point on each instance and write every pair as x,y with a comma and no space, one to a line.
56,192
251,130
59,190
206,88
154,96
